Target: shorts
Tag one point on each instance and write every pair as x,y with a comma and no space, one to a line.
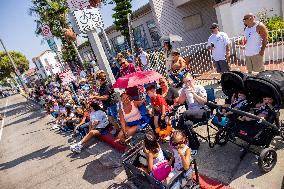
103,131
112,111
255,63
55,114
221,66
134,123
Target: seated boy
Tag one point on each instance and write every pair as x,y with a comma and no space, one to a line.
99,123
159,108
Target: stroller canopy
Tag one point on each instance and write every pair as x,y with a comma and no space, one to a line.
232,82
266,84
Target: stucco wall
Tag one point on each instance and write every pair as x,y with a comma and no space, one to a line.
169,19
230,16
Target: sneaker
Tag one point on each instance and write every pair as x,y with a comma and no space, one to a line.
194,152
55,127
76,148
168,138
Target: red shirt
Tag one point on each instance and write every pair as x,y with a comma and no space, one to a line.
158,101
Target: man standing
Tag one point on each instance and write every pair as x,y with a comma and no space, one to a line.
256,41
219,44
144,59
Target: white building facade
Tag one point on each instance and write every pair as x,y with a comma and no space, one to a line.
47,64
190,19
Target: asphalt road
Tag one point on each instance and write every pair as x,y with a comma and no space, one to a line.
32,155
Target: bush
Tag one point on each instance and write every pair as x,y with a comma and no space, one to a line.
274,23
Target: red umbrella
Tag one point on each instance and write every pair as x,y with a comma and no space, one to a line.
136,79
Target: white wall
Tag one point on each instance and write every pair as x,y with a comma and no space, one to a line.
141,20
230,17
50,56
170,19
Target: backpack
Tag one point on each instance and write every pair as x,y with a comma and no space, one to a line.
161,170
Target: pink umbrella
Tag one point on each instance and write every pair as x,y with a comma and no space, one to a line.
136,79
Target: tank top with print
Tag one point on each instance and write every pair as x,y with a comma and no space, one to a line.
253,41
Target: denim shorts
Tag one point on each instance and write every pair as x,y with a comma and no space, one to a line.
133,123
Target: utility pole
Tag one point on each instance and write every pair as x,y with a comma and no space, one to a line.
15,68
78,54
130,32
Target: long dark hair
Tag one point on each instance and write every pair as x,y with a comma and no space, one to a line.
151,143
96,106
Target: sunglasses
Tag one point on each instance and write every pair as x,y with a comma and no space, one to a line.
187,81
175,144
162,82
246,18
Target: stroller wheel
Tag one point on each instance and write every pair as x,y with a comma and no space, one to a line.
267,159
222,137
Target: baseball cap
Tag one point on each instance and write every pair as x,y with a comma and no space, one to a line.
214,25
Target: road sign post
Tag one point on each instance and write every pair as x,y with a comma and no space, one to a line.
88,20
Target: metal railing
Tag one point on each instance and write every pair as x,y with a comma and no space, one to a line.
201,62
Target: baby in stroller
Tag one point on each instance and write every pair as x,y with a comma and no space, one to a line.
263,109
223,117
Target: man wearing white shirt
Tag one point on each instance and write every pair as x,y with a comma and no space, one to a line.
219,44
143,56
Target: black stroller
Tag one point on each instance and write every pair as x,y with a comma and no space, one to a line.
267,83
143,180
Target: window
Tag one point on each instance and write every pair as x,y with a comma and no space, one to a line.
140,38
192,22
154,33
119,43
40,64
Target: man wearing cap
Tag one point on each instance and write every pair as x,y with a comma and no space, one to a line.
219,44
256,41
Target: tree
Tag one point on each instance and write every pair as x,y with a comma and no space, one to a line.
54,14
6,66
122,8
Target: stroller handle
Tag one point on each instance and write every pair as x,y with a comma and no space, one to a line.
242,113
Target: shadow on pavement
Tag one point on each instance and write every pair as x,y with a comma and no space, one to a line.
101,170
223,163
36,155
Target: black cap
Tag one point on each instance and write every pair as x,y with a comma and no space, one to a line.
214,25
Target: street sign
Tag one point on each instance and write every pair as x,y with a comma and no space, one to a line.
77,4
52,45
88,19
46,32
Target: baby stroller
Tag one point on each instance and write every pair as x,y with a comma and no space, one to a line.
143,180
231,82
267,83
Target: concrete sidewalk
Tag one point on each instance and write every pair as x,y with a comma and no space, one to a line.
34,156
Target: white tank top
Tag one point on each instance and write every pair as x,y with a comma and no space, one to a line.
133,115
169,60
253,41
178,162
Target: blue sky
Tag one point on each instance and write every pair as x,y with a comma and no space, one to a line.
17,27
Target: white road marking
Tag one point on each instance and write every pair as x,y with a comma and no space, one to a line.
2,125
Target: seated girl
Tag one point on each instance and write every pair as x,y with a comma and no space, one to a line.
129,116
181,153
151,154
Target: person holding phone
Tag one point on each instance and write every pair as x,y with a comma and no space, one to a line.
219,44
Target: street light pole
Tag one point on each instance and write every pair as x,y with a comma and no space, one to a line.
15,68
